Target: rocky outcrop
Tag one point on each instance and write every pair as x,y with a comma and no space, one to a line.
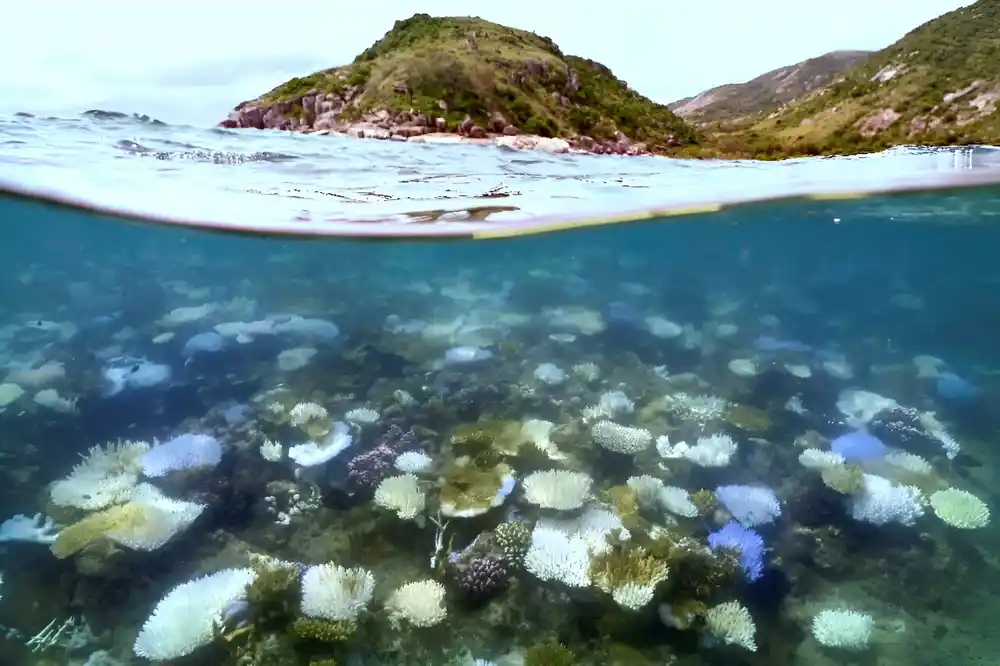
330,113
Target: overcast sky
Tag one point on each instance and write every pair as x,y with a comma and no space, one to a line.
190,61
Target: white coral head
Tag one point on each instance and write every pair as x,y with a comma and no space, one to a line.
333,592
960,508
621,439
842,628
420,603
731,623
401,494
559,489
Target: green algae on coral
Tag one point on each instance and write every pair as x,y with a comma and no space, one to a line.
273,594
326,631
845,479
749,419
498,437
550,653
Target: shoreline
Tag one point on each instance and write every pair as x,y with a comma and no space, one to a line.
417,128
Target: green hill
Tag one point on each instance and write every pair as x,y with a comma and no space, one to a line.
765,93
938,85
471,76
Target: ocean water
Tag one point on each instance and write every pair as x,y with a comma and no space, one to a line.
760,434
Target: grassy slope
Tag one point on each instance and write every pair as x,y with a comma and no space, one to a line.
766,93
940,57
477,68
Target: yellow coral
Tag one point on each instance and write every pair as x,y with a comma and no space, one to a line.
625,564
471,490
500,437
79,535
846,479
623,499
750,419
704,501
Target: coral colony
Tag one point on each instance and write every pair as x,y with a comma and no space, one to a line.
532,502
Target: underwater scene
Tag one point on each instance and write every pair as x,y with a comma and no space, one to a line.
765,435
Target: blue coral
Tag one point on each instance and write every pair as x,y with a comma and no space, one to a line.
857,446
744,541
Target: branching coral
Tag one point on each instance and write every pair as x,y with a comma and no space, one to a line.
629,573
550,653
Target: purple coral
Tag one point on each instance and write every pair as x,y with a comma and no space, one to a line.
366,470
744,541
485,577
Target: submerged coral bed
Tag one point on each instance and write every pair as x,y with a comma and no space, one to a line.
461,468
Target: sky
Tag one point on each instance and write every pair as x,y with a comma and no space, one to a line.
191,61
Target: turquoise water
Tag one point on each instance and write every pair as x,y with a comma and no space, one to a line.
522,444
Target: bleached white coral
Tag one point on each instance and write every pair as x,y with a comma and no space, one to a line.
401,494
538,432
712,451
842,628
633,596
647,488
304,412
819,459
621,439
731,622
420,603
105,476
613,403
937,430
362,416
561,548
960,508
677,501
271,451
559,489
555,555
909,462
333,592
187,617
413,462
860,407
698,408
880,502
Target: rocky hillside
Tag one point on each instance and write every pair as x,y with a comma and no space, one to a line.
474,78
939,84
767,92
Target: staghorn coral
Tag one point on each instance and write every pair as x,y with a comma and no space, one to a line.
626,563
